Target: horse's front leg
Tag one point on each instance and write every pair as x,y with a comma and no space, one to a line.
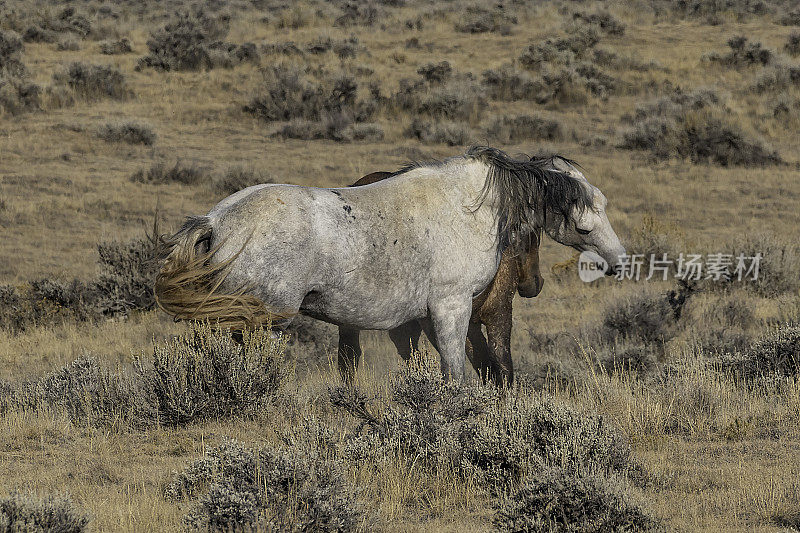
498,329
349,353
450,319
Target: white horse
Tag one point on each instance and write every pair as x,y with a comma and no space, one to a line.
417,246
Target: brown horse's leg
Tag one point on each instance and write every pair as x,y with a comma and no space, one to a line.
495,313
349,353
478,352
499,332
406,338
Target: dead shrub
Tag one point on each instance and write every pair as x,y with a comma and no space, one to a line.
119,46
449,133
237,178
743,54
205,374
605,21
556,499
693,126
192,40
239,488
507,129
28,512
19,96
777,268
288,92
11,48
127,132
647,316
479,19
92,82
776,352
160,173
89,394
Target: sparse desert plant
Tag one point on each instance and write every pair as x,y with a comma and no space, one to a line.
792,45
89,394
608,23
509,84
646,316
449,133
358,14
124,284
778,78
694,126
436,72
523,127
480,19
19,96
206,374
560,52
270,488
655,240
237,178
469,429
561,500
28,512
777,268
93,81
127,132
289,92
743,53
68,43
11,48
336,127
192,40
790,18
159,173
776,352
49,27
119,46
126,278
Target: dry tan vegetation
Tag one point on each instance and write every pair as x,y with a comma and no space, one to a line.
718,450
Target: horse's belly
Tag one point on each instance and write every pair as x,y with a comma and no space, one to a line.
384,310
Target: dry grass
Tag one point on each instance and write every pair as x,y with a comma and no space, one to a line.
717,452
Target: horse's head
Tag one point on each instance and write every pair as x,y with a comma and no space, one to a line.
530,278
585,227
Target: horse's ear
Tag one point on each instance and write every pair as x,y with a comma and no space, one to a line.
564,166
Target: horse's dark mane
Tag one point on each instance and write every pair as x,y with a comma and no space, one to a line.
522,186
526,186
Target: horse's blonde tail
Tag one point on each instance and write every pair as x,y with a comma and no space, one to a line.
188,285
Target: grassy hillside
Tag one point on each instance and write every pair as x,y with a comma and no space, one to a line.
685,114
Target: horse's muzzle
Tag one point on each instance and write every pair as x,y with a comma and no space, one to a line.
531,289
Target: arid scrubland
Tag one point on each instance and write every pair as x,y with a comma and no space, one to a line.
639,405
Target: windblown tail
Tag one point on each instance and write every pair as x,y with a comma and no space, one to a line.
188,285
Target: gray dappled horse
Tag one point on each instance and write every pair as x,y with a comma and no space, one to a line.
490,356
417,246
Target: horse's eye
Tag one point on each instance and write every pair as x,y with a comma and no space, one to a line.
583,231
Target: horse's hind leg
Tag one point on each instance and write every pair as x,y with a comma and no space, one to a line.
406,338
349,353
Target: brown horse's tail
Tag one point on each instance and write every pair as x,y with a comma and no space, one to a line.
188,285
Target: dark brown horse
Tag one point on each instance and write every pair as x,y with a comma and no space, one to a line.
492,308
